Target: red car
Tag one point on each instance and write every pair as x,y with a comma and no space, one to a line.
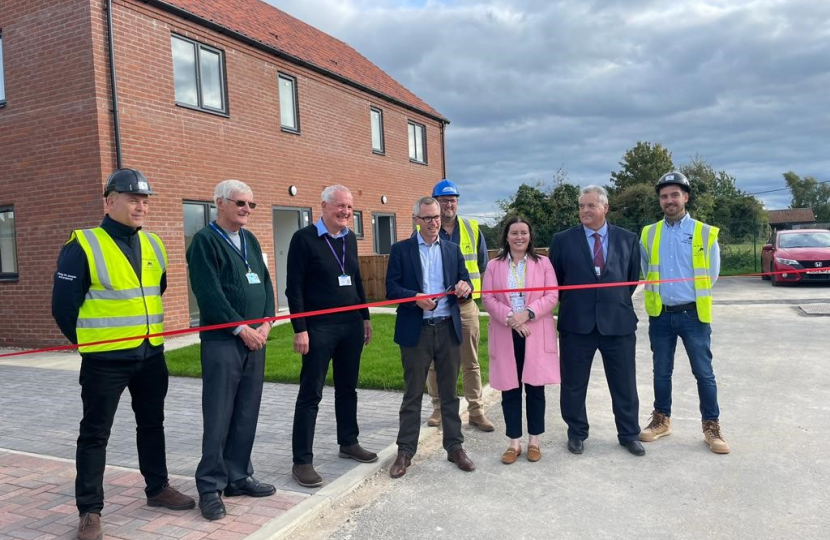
805,250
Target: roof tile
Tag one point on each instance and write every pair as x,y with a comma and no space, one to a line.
791,215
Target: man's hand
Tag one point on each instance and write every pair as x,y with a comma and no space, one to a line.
264,329
301,342
367,332
252,338
462,289
427,304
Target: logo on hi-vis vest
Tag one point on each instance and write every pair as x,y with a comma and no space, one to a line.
148,263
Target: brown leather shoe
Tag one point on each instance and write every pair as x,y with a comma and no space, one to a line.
534,453
510,455
89,528
459,457
482,423
398,468
306,476
358,453
434,419
171,498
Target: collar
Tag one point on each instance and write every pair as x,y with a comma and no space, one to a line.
118,230
321,230
510,259
682,223
590,232
422,242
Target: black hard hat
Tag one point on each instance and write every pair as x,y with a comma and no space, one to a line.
128,181
673,178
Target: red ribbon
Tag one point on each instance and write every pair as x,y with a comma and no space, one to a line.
377,304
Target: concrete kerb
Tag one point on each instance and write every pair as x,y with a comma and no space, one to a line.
324,500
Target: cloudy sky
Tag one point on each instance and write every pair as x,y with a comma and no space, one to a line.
534,85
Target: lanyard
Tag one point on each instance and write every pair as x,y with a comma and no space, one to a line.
339,262
243,253
520,283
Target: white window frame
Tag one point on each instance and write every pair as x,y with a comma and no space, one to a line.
417,152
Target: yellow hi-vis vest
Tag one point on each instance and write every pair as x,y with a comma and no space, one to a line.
117,305
468,242
703,238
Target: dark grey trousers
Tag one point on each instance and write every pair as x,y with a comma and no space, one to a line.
439,344
232,378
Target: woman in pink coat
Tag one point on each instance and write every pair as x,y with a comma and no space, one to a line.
522,334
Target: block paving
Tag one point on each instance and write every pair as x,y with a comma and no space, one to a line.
40,410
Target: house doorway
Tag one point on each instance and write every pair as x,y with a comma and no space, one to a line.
286,222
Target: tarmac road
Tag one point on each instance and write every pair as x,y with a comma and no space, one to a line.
773,370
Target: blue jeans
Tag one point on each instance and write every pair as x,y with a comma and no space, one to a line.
663,332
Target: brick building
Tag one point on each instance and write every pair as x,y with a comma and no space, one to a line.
206,90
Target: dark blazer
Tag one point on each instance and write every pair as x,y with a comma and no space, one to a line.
405,278
608,309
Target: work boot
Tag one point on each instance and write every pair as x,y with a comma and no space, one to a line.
434,419
660,426
482,423
89,528
713,437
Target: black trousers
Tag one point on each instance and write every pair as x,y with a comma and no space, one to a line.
342,344
232,376
439,344
576,354
511,400
102,383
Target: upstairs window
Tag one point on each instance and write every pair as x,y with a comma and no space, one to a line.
289,111
417,143
376,116
8,244
199,75
2,79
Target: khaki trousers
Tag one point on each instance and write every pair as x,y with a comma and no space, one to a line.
470,369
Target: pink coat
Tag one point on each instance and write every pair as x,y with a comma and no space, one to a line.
541,354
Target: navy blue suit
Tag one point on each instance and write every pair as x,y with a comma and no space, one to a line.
424,341
597,319
405,278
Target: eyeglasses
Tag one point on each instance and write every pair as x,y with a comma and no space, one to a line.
240,204
427,219
445,202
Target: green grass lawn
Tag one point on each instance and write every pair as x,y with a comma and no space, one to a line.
380,365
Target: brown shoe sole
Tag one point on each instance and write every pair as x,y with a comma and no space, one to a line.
186,506
646,439
308,484
349,456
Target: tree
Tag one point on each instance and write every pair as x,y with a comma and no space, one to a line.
634,207
808,192
643,164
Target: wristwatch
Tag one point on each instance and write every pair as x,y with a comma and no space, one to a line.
530,314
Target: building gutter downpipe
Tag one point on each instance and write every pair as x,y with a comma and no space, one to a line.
114,88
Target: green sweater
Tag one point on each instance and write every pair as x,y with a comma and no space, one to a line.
218,279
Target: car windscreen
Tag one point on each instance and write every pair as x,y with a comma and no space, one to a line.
805,240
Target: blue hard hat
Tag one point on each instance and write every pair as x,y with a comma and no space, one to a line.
445,188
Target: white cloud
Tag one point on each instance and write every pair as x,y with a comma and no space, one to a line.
534,85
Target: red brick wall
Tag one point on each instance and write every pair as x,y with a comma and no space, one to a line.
50,167
185,153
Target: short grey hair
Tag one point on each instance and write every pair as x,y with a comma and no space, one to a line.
602,195
226,188
423,201
328,194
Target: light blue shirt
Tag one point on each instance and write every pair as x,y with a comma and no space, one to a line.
432,267
676,262
603,237
321,230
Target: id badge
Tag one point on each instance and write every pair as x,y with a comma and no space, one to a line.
598,271
517,302
253,279
345,280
